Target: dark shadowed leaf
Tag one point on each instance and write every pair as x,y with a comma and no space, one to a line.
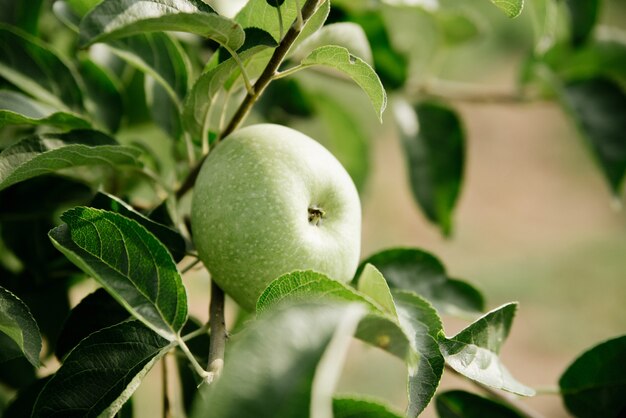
22,405
113,19
19,109
33,67
344,407
47,153
460,404
434,145
598,107
189,379
96,311
18,324
129,262
101,373
583,17
24,15
103,97
595,383
473,352
284,365
174,242
422,273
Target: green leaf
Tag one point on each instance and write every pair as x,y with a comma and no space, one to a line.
17,322
511,8
260,14
583,17
200,100
422,324
33,67
17,108
377,328
129,262
344,407
434,145
46,153
460,404
344,137
112,19
595,383
22,404
299,286
24,15
103,94
422,273
101,373
473,352
96,311
346,34
456,27
174,242
598,107
342,60
373,284
284,365
81,7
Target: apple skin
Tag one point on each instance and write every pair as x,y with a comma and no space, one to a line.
270,200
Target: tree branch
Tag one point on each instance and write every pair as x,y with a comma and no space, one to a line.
218,331
264,79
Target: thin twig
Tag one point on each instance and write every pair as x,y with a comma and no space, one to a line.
471,93
264,79
505,397
218,331
167,411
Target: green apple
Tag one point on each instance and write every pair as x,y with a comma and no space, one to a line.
270,200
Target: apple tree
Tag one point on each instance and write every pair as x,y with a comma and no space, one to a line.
144,141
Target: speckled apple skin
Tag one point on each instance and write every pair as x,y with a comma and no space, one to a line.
250,211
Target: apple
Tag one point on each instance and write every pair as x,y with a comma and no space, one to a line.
270,200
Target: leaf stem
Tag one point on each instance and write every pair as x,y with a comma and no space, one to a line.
218,331
504,397
242,68
288,71
204,375
264,79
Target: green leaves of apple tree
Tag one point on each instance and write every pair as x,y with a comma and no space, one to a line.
434,142
128,261
594,384
460,404
112,19
284,365
47,153
18,325
511,8
102,372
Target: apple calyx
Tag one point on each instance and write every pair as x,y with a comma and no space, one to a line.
316,214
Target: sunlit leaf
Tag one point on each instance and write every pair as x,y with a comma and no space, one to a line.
594,384
473,352
284,365
129,262
18,324
101,373
47,153
113,19
340,59
511,8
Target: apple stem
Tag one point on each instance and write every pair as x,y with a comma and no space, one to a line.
217,325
